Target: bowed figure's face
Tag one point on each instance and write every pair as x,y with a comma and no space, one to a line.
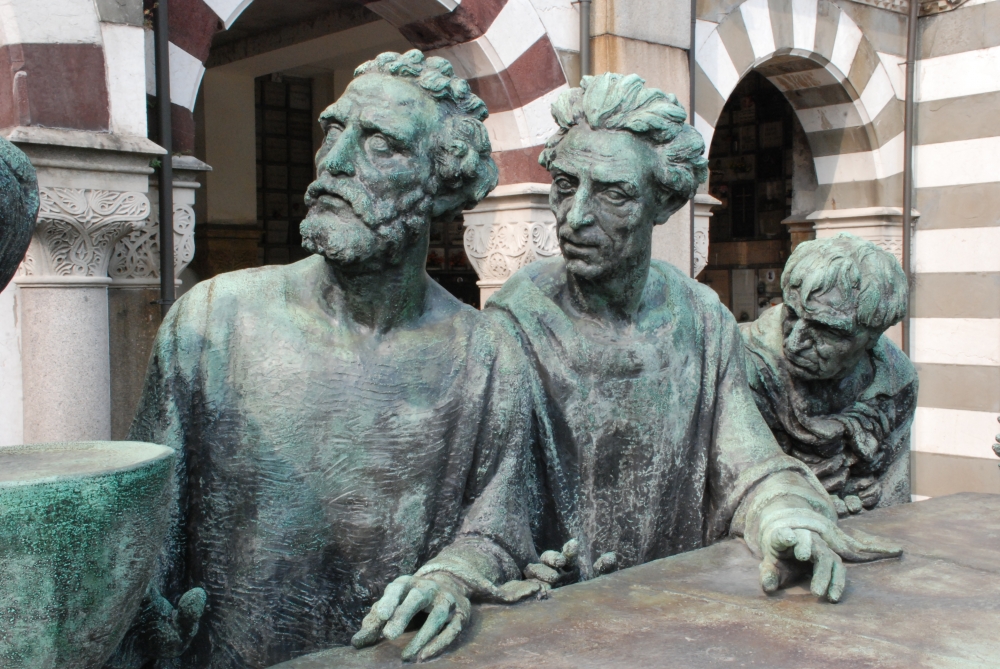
605,201
821,338
370,198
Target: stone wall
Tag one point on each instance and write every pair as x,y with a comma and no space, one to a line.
956,250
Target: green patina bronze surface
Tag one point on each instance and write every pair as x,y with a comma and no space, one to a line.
18,208
837,393
648,441
938,607
80,528
338,419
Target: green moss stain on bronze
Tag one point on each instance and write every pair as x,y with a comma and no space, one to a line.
77,548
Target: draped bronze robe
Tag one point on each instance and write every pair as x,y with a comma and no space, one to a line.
650,442
318,464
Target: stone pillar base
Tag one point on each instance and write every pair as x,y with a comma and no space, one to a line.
65,354
134,318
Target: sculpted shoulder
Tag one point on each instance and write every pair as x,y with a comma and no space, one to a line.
542,278
669,285
257,290
890,355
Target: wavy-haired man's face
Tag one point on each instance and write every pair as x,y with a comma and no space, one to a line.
372,195
604,199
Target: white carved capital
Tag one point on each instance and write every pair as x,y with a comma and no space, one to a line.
703,203
78,228
137,255
511,228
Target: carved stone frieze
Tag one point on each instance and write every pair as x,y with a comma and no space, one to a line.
927,7
78,228
511,228
497,251
137,255
703,203
883,226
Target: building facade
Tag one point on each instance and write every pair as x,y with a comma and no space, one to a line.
801,103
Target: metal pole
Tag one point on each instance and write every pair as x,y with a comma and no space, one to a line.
166,172
908,124
585,64
691,66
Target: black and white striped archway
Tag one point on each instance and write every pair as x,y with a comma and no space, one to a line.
846,94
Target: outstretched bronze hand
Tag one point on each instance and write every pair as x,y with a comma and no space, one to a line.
791,534
443,597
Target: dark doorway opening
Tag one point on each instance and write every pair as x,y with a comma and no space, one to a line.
751,162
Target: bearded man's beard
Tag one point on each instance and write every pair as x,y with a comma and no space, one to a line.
371,234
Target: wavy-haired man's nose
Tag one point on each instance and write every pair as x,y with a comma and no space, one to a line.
581,213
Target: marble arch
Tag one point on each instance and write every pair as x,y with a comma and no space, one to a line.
503,47
846,95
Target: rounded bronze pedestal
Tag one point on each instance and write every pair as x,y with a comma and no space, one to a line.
80,527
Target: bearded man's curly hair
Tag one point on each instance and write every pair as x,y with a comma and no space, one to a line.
465,172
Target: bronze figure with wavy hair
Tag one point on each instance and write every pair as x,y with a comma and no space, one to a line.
648,440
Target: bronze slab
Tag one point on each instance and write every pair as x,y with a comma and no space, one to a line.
937,607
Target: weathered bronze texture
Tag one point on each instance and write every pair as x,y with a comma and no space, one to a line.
337,418
18,208
80,528
648,440
837,393
937,607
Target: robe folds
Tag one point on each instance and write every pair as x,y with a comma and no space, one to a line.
649,441
317,465
855,431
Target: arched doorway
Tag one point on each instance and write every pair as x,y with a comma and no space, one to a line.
847,100
296,61
761,171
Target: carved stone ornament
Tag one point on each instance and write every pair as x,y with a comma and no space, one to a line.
883,226
927,7
78,229
497,251
137,255
703,203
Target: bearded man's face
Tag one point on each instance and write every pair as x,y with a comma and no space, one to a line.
372,197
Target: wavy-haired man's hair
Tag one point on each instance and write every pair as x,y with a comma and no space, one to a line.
623,102
866,275
465,171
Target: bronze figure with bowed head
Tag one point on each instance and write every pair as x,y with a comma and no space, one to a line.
836,393
338,418
649,442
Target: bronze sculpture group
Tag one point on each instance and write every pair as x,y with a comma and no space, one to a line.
356,447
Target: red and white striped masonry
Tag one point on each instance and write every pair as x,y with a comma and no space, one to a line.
501,46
